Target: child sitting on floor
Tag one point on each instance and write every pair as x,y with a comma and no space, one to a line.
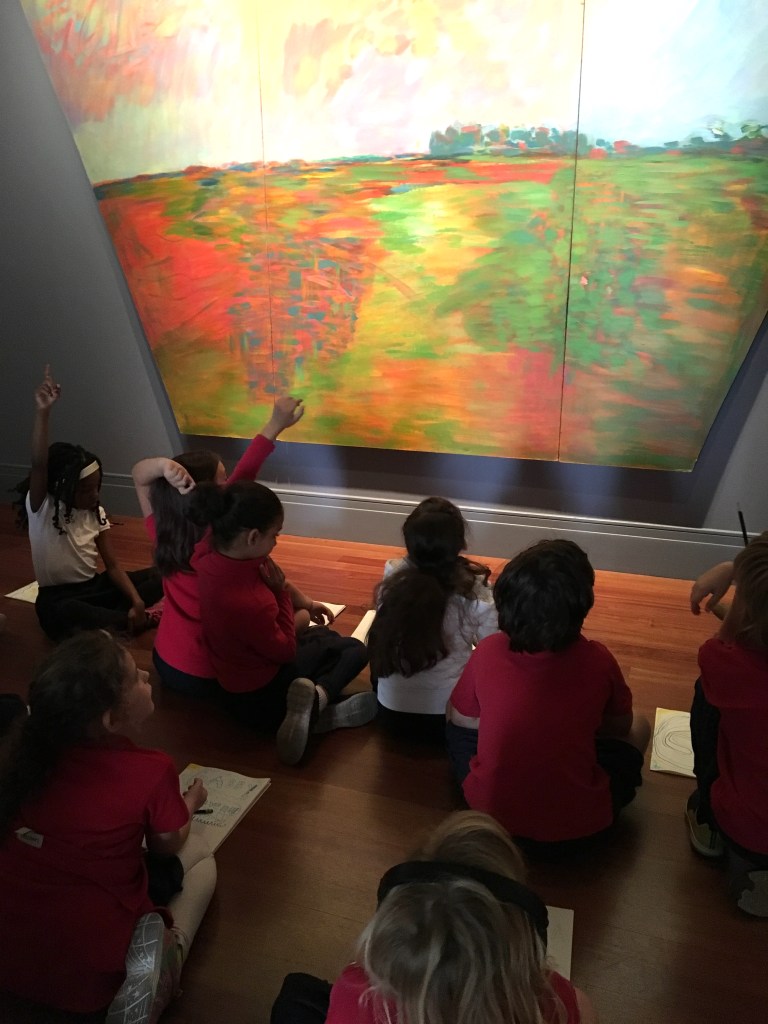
68,532
164,487
541,732
432,607
271,677
77,799
728,813
457,939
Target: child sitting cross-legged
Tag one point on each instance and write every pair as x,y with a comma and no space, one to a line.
83,927
432,607
728,813
59,503
541,732
277,673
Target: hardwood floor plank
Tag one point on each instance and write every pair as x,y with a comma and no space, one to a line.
655,939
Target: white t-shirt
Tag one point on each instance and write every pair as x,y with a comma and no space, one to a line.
69,557
467,621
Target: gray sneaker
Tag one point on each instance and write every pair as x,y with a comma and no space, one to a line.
751,892
143,963
357,709
301,709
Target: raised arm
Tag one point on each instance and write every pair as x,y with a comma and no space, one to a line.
148,470
285,413
46,395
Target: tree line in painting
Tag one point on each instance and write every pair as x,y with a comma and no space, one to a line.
475,139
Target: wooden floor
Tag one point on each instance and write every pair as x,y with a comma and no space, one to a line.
655,941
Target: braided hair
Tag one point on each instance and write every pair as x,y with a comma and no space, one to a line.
65,463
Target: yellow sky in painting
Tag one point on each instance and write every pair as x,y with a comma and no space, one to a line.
176,82
157,85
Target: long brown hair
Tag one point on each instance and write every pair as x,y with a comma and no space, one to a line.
407,634
68,696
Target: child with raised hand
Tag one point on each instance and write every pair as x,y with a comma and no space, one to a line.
710,588
457,939
77,799
432,608
274,676
727,815
163,487
541,732
69,532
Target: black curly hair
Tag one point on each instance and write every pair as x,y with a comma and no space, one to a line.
543,596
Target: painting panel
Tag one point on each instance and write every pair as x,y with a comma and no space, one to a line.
387,241
669,279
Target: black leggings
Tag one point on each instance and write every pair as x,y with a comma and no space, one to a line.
93,604
329,660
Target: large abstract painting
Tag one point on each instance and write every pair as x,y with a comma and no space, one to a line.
518,228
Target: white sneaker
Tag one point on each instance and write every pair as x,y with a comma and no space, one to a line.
143,963
357,709
301,706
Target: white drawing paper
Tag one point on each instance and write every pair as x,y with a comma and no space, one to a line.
672,751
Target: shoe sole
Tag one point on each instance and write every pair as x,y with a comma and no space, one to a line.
293,733
143,964
356,710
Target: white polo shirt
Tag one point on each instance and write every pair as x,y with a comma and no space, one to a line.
69,557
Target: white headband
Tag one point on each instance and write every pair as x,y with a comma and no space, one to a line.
92,467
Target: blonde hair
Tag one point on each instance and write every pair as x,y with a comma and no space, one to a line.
448,951
747,620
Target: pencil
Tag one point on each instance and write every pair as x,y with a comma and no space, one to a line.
205,810
743,525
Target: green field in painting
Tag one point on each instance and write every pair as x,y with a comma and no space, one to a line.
422,304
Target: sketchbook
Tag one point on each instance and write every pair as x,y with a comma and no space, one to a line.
229,797
27,593
560,940
672,751
361,631
337,609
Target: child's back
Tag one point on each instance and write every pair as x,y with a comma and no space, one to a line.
734,680
541,732
728,813
468,618
433,607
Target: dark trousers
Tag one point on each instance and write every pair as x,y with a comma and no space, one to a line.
93,604
705,725
329,660
183,682
303,999
413,727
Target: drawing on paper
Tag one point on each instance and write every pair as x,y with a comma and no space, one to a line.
444,225
672,751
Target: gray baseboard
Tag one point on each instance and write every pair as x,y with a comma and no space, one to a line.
651,549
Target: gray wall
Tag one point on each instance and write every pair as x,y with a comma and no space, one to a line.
63,300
